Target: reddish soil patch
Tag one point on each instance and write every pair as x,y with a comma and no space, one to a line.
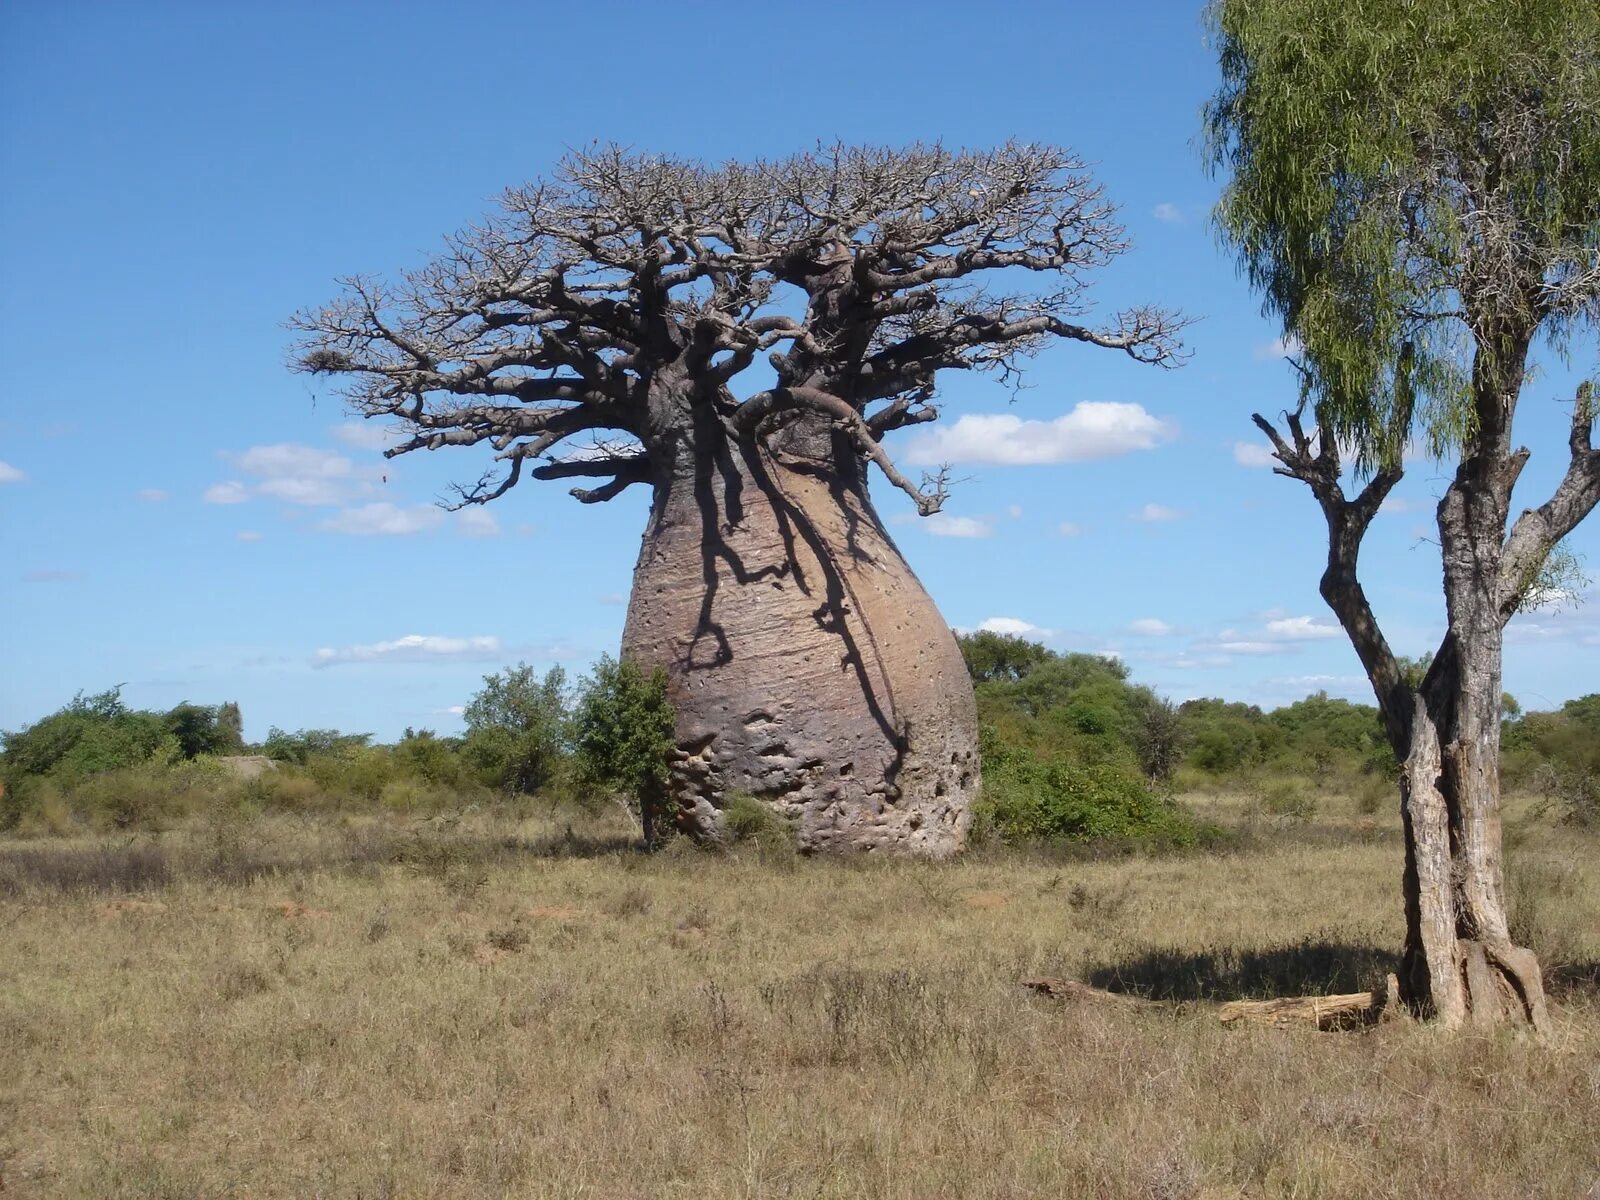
988,900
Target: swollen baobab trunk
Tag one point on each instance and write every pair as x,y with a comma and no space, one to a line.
741,339
808,667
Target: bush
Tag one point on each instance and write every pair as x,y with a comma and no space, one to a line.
623,732
749,820
1030,799
517,729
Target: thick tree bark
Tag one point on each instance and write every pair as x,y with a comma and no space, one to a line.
1460,961
807,665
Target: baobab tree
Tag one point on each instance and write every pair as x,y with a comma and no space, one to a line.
740,339
1415,189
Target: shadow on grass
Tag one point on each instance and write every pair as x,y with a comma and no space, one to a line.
1224,973
1569,980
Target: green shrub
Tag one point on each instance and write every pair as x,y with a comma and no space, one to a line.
517,729
750,820
623,732
1030,799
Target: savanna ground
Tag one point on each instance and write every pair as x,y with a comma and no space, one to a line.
488,1006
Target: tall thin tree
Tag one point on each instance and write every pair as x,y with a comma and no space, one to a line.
1414,188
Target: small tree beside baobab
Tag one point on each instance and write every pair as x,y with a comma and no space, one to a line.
1415,189
740,340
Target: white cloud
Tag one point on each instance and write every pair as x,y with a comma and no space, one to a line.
306,476
1300,629
1284,347
1573,618
384,518
1149,627
1157,512
414,647
613,598
944,525
366,435
1068,529
153,495
231,492
1202,662
1014,511
10,474
304,490
1170,213
1232,646
289,460
1011,625
1094,429
477,522
1253,454
247,535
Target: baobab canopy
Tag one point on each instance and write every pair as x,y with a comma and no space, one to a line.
742,338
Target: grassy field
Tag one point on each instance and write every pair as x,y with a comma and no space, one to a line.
484,1008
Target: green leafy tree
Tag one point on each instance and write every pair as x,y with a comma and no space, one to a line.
517,728
1414,188
202,729
623,724
1000,657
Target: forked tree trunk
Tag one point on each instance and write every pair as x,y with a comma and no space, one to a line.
806,664
1460,962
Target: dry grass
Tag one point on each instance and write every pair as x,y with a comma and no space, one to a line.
325,1011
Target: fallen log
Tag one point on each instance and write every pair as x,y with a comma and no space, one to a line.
1347,1011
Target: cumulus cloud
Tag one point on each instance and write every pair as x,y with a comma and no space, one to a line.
1284,347
1170,213
1094,429
1253,454
1300,629
382,518
1068,529
477,523
10,474
1233,645
1149,627
414,647
1158,512
247,535
231,492
1014,626
613,598
944,525
305,476
1014,511
153,495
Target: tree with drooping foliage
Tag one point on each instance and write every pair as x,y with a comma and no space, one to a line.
1414,188
741,340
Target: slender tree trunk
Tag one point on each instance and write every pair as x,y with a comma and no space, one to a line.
807,665
1460,961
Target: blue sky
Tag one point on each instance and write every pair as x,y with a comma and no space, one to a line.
183,515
